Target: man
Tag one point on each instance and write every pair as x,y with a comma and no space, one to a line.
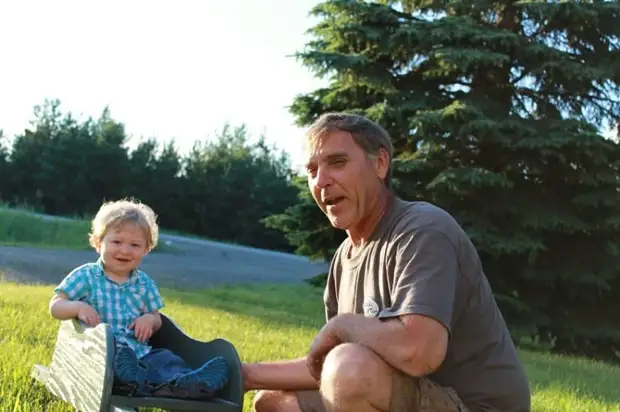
412,322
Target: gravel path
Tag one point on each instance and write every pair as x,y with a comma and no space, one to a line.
194,263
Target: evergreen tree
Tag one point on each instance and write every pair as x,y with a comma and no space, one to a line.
496,110
222,189
232,184
304,226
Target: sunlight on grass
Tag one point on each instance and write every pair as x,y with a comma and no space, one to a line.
265,323
563,383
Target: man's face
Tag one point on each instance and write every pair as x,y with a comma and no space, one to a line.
343,180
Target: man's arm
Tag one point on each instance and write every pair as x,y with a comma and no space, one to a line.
415,344
281,375
412,335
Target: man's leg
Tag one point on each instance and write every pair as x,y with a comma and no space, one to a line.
356,379
436,398
280,401
346,385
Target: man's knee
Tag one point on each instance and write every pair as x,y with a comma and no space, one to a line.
349,363
349,371
275,401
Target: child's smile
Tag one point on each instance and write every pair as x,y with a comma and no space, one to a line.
122,250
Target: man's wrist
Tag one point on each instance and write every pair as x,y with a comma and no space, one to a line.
343,325
247,370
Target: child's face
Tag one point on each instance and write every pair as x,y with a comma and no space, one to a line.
123,248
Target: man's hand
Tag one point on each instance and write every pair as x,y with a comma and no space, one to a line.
144,326
87,314
326,340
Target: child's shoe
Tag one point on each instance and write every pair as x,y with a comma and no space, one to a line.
213,374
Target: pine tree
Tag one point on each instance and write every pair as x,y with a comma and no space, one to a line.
304,226
496,109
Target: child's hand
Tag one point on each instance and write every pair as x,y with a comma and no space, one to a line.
143,327
87,314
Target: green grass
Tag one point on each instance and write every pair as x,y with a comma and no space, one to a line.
265,323
23,228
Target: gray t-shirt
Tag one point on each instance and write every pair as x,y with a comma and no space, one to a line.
420,261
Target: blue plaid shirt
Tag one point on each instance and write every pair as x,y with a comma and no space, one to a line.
116,305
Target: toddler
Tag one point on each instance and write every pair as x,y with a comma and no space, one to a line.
113,290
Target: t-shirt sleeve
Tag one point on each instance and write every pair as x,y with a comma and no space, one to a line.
330,295
75,285
330,298
425,273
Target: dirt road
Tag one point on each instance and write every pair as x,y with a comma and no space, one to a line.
195,263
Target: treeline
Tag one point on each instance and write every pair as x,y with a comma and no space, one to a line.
221,189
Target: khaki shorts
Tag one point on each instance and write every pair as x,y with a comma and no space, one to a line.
408,395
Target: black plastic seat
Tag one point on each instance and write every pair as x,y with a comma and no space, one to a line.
82,371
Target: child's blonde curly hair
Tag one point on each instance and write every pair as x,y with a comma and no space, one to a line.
116,213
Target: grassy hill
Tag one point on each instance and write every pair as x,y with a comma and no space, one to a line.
24,228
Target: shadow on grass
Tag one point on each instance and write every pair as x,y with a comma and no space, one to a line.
282,305
582,377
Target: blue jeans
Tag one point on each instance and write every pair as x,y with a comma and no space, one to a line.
162,366
157,367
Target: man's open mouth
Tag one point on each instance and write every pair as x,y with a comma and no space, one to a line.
334,201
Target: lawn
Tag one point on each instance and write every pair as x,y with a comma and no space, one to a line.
264,322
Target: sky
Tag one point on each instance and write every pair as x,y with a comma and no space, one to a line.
169,69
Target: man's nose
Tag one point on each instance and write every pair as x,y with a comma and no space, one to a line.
323,178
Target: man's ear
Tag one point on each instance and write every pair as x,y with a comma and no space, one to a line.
382,163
